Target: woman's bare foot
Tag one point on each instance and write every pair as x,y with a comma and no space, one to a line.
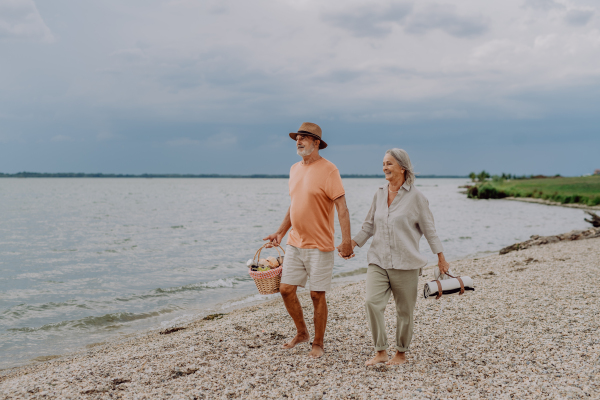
317,351
399,358
299,338
380,357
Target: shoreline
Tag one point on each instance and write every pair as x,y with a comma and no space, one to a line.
551,203
225,307
529,329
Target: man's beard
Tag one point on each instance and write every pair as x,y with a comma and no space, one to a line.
307,151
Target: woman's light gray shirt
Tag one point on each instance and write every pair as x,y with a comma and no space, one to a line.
397,230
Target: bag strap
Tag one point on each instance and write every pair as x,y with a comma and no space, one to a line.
462,285
439,285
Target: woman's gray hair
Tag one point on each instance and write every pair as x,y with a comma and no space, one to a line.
404,161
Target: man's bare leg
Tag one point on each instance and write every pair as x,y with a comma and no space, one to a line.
320,304
294,308
399,358
380,357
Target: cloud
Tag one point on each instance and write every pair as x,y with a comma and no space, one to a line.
576,17
133,55
543,5
446,18
378,21
167,77
21,20
370,20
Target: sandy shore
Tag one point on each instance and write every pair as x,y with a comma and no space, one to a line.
530,330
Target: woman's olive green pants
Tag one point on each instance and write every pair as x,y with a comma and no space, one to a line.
380,284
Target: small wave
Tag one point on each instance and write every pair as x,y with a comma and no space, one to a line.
250,299
218,283
91,322
20,310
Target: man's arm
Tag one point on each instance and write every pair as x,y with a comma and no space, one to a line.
285,226
345,248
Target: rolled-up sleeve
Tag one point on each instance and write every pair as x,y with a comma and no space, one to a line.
427,226
368,226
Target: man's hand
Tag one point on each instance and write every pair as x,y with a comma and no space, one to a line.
345,250
275,239
353,245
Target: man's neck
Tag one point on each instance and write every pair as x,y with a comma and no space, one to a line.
311,158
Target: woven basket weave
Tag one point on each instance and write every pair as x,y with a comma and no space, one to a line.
267,282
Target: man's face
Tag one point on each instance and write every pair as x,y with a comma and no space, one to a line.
305,145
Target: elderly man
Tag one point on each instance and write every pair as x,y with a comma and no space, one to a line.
315,186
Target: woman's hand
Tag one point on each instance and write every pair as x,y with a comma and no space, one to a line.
442,263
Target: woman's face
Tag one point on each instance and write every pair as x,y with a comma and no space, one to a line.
392,170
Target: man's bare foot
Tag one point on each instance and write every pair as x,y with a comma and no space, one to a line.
299,338
380,357
317,351
399,358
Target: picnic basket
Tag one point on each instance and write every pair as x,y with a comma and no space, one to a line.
267,282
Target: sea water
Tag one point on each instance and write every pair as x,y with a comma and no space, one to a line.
85,260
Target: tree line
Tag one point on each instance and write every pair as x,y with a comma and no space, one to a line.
484,176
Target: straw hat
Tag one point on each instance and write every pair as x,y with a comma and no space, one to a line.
310,129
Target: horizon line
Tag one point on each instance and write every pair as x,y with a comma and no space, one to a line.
25,174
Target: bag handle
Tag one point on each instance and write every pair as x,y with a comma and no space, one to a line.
439,285
267,245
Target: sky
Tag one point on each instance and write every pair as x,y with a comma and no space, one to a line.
186,86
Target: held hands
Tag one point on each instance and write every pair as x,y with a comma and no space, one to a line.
346,250
274,239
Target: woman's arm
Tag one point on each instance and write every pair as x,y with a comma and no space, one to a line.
427,226
368,227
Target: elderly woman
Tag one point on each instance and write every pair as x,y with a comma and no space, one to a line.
398,217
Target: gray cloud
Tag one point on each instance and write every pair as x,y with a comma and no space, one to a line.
578,17
543,5
133,55
446,18
130,83
20,19
370,20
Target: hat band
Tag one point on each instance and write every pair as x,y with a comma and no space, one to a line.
310,133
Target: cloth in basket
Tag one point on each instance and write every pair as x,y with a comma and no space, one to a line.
272,273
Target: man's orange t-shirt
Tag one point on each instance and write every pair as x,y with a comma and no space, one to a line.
313,188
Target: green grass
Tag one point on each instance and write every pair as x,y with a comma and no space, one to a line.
582,190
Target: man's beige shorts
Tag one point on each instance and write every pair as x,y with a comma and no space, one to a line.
300,264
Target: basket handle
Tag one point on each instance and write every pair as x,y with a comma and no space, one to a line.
257,254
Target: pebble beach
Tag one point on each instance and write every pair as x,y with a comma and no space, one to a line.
529,330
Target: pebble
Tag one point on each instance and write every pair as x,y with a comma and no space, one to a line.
529,330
